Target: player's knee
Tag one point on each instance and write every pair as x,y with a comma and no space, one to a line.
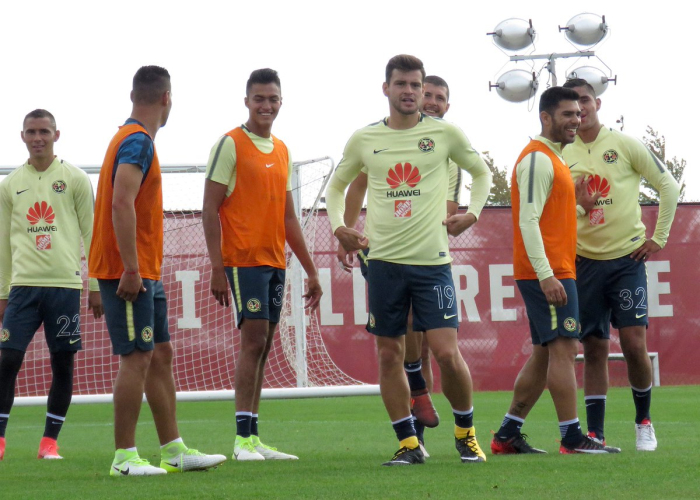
62,365
390,355
163,353
447,357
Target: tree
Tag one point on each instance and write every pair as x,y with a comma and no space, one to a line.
500,190
657,145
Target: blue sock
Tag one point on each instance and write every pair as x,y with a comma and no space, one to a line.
420,429
570,432
404,428
510,426
243,421
254,425
595,415
415,377
464,419
642,403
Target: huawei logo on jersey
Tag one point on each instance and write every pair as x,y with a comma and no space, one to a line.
40,211
598,185
403,174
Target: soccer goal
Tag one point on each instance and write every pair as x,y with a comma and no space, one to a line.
202,333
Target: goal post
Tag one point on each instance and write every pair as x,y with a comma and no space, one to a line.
204,340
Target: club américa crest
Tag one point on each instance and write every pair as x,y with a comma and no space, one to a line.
254,305
59,187
570,324
147,334
426,144
610,156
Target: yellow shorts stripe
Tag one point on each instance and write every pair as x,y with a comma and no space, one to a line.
237,289
553,311
130,320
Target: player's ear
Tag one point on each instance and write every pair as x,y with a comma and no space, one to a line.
56,135
597,104
385,89
447,108
245,101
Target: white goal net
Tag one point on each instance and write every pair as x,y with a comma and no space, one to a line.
202,333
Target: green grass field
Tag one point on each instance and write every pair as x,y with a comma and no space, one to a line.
343,441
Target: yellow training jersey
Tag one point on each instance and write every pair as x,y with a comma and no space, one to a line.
43,218
407,179
615,163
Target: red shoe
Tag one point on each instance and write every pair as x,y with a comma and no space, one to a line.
48,449
2,448
423,408
511,446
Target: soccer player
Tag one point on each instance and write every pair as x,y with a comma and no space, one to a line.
406,156
248,213
45,212
436,95
612,253
544,251
126,258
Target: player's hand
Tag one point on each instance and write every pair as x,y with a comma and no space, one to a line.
351,239
584,199
458,223
219,287
130,285
554,291
313,294
345,259
3,306
649,248
95,304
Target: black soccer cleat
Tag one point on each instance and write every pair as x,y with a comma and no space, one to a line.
513,445
587,445
406,456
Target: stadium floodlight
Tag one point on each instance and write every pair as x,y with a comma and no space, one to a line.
594,76
513,34
516,85
585,29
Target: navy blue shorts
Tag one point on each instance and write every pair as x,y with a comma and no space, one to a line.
258,292
30,306
135,325
393,288
546,321
611,291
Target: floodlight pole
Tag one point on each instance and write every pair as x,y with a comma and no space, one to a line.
551,65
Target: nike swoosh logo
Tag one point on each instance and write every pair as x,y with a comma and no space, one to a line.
71,341
20,192
573,165
448,317
377,151
173,465
123,472
589,404
270,165
640,315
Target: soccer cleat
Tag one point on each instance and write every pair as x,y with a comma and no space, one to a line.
176,457
423,409
244,449
513,445
468,447
646,437
587,445
128,463
593,435
48,449
270,453
406,456
2,448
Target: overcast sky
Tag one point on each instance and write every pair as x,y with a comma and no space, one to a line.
77,60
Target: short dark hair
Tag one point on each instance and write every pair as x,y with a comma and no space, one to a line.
262,76
404,62
150,82
40,113
550,98
438,82
580,82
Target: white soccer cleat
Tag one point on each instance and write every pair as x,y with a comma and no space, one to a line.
646,437
269,452
422,448
190,460
128,463
244,449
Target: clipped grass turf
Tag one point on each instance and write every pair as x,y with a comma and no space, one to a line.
341,443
